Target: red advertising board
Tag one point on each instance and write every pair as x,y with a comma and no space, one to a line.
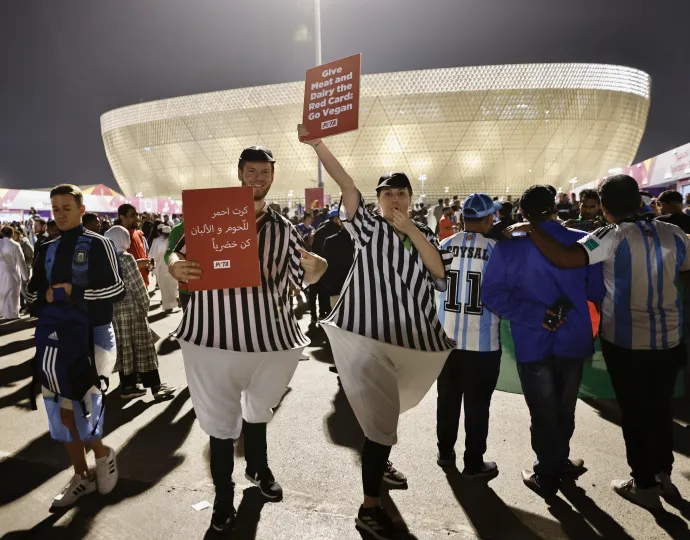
331,97
313,198
220,234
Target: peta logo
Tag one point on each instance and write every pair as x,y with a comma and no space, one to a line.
221,264
329,124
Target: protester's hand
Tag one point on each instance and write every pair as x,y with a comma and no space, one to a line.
143,264
303,135
314,266
185,270
152,263
558,325
402,222
524,227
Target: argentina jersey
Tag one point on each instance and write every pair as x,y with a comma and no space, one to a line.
464,318
641,262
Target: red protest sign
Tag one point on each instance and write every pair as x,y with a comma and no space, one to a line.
331,97
220,234
313,198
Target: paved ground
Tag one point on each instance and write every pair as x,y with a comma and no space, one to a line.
313,447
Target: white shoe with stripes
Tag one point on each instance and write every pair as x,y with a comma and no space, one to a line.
76,487
106,472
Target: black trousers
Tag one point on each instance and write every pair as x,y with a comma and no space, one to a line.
473,376
313,293
550,387
374,461
643,381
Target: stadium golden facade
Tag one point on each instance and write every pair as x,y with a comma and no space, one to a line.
496,129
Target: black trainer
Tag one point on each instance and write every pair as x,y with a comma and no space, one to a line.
486,471
574,468
446,459
266,482
378,524
393,476
224,516
546,490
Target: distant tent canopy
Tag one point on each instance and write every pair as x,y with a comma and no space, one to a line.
100,189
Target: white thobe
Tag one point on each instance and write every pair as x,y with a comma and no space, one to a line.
13,270
166,282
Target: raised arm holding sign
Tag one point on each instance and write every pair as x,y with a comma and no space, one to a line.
331,97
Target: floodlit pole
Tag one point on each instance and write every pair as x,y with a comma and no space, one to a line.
317,39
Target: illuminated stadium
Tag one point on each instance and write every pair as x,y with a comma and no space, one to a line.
497,129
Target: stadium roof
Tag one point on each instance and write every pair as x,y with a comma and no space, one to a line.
497,129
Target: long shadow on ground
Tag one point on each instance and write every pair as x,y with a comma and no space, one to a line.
149,456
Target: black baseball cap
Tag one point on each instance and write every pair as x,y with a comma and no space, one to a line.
257,153
394,180
670,196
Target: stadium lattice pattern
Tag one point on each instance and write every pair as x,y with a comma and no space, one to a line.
496,129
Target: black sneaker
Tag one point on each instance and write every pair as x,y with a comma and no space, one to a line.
394,477
531,480
574,468
224,516
266,482
445,459
131,392
486,471
376,522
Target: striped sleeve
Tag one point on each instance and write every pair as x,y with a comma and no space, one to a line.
360,226
683,251
296,272
446,257
181,246
601,244
105,280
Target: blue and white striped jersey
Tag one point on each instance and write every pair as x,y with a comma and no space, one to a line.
464,318
641,261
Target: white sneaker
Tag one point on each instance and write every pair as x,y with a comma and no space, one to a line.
76,487
648,498
668,488
106,472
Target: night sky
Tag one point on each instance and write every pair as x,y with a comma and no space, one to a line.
64,63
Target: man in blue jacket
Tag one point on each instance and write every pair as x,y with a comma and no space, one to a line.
524,287
79,269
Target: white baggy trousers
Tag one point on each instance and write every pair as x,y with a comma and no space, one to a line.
227,386
381,380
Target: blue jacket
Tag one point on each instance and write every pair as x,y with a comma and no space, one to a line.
520,285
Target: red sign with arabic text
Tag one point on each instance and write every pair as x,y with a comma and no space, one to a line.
331,97
220,234
313,198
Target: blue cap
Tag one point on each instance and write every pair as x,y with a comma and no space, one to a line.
333,213
479,205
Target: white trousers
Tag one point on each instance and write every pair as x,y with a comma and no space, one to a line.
381,380
10,291
227,386
168,286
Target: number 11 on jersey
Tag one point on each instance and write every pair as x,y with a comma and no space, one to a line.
473,306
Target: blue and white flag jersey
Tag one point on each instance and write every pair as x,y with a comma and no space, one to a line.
641,261
464,318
